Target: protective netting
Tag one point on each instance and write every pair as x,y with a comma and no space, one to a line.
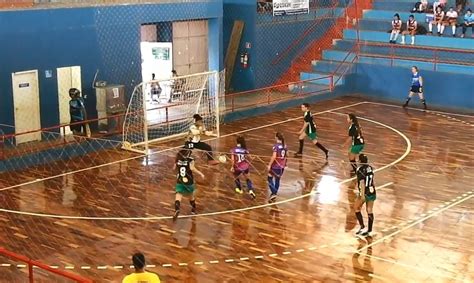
117,199
164,109
285,46
378,42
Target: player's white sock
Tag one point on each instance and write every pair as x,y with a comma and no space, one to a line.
412,40
396,36
430,27
454,29
403,39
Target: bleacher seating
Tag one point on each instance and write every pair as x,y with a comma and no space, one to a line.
456,54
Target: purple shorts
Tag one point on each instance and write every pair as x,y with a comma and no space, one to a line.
238,172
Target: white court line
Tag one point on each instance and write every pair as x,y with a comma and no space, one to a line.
172,148
422,110
410,266
407,151
415,223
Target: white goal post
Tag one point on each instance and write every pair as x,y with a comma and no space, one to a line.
163,109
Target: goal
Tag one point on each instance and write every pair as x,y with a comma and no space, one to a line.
163,109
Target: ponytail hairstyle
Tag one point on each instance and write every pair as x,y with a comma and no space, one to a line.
183,154
241,141
363,159
355,122
280,137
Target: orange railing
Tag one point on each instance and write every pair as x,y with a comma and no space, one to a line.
435,57
296,43
234,102
33,264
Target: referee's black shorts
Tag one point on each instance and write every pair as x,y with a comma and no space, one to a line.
415,89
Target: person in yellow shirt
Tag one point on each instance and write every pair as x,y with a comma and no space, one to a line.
140,275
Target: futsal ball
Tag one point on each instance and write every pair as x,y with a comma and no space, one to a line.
222,159
208,133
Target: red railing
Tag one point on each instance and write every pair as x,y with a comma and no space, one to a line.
293,45
33,264
435,57
234,102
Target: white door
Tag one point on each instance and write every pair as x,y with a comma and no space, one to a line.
27,106
68,77
190,47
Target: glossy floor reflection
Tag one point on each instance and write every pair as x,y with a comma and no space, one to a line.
423,214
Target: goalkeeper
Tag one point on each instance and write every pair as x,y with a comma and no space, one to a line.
194,139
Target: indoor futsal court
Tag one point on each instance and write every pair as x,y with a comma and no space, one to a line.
235,141
88,217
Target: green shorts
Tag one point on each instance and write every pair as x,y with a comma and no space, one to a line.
185,189
356,149
370,198
312,136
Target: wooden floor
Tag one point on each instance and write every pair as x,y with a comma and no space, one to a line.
90,222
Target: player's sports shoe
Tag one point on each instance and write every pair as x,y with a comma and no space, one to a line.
360,232
366,234
239,191
298,154
252,194
272,198
175,215
193,211
327,154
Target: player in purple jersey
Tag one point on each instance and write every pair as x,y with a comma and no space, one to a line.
277,165
241,166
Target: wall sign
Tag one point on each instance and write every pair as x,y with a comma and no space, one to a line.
48,74
23,85
290,7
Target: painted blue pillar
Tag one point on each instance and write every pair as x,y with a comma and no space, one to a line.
215,49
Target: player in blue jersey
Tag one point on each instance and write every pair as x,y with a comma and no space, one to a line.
416,87
277,165
241,166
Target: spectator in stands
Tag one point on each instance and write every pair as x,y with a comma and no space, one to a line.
420,7
396,28
468,22
451,19
460,5
140,275
440,3
412,25
264,6
438,20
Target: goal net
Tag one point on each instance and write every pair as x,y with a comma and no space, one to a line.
163,109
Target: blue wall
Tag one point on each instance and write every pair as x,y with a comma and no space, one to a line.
270,36
442,90
244,10
274,38
102,38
